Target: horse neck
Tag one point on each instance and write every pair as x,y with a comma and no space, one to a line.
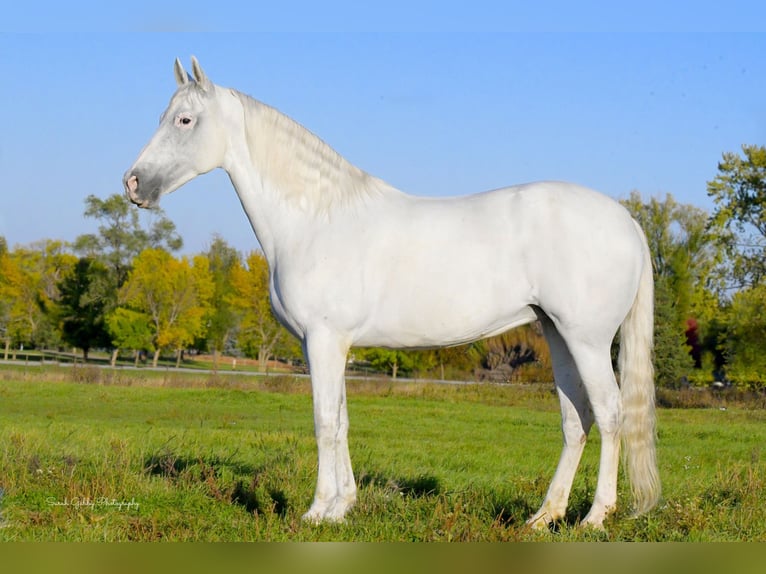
287,178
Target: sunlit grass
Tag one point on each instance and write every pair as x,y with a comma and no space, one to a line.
164,458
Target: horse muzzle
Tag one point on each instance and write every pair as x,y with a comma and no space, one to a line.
133,191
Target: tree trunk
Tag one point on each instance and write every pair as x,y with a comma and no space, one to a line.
136,354
263,358
113,360
215,359
394,368
179,352
156,358
85,355
7,348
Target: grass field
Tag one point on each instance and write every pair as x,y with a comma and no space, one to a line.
100,455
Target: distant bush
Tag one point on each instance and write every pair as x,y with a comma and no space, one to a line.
705,398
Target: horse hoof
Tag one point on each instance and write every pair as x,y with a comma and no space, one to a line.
594,521
312,517
539,521
334,512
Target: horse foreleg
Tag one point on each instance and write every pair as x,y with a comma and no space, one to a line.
335,489
577,420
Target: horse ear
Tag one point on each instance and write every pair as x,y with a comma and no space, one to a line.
181,76
199,75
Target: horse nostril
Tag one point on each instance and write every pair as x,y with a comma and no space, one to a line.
132,184
131,187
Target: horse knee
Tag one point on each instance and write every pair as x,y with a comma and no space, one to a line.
574,433
609,422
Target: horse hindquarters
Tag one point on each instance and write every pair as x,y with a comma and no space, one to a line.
585,380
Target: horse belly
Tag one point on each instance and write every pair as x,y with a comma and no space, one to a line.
424,330
431,300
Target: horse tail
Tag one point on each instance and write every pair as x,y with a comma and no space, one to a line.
637,383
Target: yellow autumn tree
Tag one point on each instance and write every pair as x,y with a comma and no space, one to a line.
260,334
10,281
174,293
29,279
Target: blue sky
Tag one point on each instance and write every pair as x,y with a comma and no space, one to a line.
433,113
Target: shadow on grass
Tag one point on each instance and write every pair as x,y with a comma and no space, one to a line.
250,495
257,500
513,512
516,511
414,487
169,465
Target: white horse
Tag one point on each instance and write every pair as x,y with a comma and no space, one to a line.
354,261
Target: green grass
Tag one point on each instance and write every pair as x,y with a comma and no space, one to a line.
133,456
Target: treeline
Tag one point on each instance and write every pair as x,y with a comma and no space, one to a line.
122,289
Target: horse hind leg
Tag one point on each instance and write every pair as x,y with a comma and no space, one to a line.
595,367
577,419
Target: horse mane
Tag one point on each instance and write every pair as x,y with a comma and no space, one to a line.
304,169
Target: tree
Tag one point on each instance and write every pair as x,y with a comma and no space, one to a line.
259,331
81,306
121,236
739,192
672,356
9,273
686,259
455,358
130,330
174,293
684,252
31,276
746,333
389,361
222,320
18,309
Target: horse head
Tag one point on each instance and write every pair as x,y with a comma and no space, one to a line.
188,142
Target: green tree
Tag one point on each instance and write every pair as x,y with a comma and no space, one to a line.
739,193
122,236
390,361
672,359
686,258
81,304
174,293
130,330
684,251
746,333
222,320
